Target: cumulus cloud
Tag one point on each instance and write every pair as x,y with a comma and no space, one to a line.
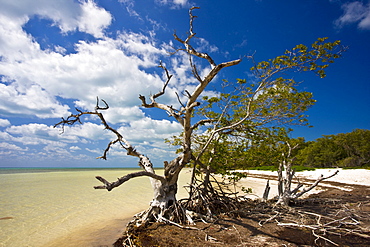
4,122
107,68
45,83
32,100
31,134
355,12
147,133
68,15
93,19
45,143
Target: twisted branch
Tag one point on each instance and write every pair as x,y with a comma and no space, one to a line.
73,118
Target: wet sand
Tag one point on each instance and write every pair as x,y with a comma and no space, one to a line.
97,235
62,208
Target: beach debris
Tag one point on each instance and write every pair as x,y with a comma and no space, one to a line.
7,218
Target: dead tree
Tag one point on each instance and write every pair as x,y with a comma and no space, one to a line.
285,179
164,187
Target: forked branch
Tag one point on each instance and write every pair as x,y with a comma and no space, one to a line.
73,118
153,104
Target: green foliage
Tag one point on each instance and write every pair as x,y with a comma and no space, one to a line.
247,190
244,121
357,147
342,150
322,153
300,168
316,59
270,98
264,168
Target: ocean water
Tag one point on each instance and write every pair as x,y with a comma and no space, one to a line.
60,207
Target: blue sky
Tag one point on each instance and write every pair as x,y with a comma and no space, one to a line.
56,55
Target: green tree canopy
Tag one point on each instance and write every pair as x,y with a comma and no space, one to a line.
342,150
251,112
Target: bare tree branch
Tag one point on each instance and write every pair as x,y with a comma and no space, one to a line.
109,186
178,99
321,178
164,187
101,108
174,113
73,118
166,83
189,48
202,122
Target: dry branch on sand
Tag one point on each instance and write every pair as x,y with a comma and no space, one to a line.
332,217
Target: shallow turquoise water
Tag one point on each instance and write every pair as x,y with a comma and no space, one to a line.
48,205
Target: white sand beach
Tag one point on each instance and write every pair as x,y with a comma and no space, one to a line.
344,176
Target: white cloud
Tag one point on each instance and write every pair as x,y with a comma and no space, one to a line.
95,151
42,134
32,134
93,19
4,145
88,131
4,122
123,114
147,129
110,69
174,3
113,69
74,148
15,44
57,149
118,69
68,15
31,100
130,7
355,12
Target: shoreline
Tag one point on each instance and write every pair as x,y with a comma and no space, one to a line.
92,235
107,232
345,176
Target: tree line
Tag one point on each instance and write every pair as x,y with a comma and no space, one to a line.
341,150
267,149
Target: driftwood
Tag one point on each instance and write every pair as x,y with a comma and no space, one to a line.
326,225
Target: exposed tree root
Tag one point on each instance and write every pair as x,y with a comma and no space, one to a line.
210,201
325,227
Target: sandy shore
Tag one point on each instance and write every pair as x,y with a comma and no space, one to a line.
105,233
256,180
353,176
98,235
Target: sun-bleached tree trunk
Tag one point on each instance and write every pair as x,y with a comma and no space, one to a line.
164,187
285,179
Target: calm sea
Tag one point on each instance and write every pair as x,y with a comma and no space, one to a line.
60,207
